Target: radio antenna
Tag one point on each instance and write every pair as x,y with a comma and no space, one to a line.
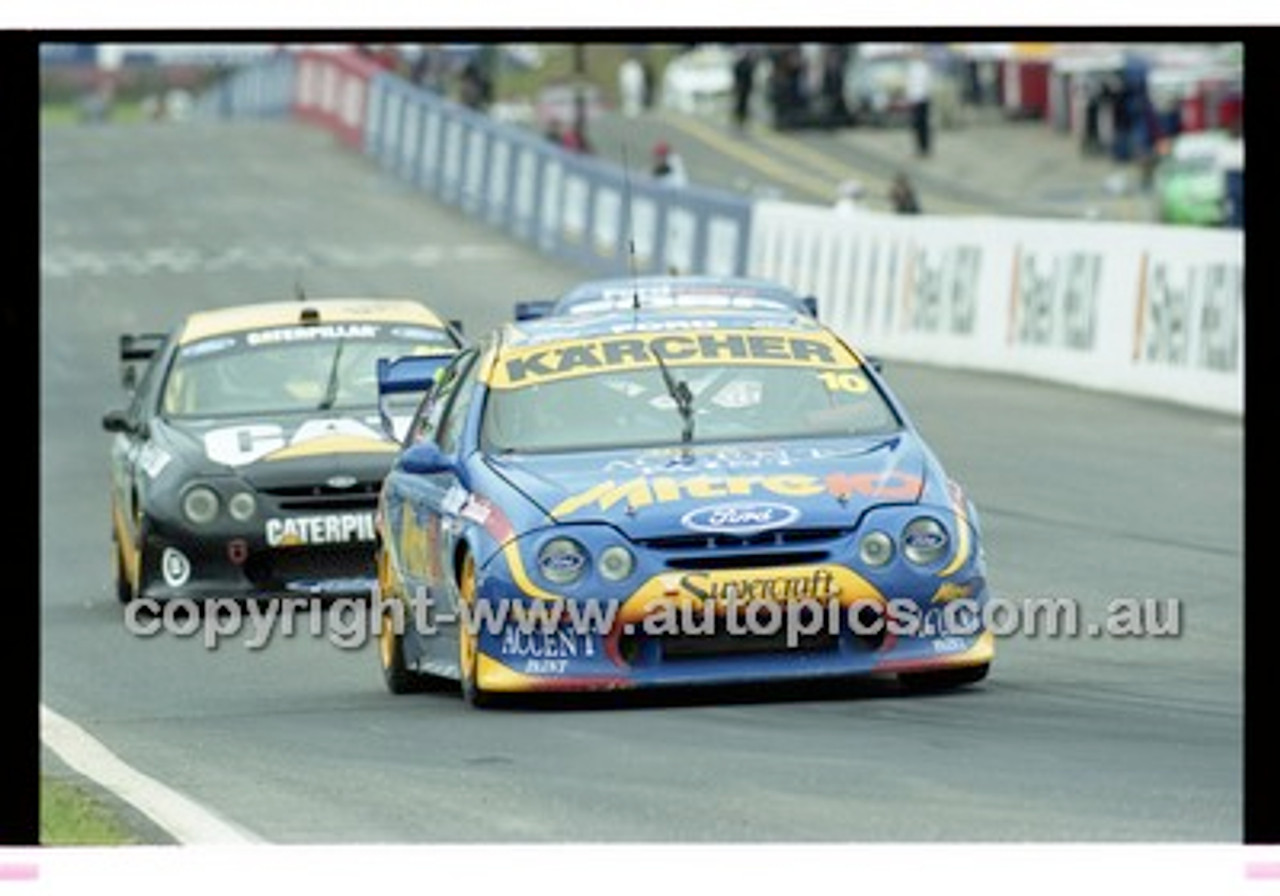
631,236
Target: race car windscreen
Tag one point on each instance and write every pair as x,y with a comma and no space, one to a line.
636,405
284,369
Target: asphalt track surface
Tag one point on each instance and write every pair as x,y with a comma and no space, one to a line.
1083,496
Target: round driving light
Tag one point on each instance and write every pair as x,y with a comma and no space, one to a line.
924,541
562,561
242,505
875,549
616,563
200,505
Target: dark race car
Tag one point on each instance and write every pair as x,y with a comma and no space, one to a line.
670,292
249,459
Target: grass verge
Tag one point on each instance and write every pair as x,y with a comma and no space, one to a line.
71,816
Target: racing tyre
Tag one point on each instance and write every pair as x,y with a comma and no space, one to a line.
943,679
468,655
124,588
400,678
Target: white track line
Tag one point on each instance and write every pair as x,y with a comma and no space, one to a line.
186,820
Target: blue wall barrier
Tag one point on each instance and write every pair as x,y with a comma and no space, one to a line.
265,89
579,208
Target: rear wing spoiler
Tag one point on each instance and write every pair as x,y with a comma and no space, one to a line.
135,349
405,375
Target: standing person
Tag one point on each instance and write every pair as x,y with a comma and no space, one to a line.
575,140
903,195
919,87
744,77
631,86
650,81
668,167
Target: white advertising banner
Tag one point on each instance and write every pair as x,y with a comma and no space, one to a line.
1147,310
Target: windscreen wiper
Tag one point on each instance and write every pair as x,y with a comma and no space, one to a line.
680,394
331,388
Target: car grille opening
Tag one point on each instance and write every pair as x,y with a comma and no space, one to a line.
721,643
361,496
780,547
719,541
274,569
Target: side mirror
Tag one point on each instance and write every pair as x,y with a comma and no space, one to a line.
129,377
116,421
424,458
411,373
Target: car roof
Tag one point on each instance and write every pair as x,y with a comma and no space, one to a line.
238,318
689,290
585,326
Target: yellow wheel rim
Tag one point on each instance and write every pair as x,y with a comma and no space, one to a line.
466,636
387,641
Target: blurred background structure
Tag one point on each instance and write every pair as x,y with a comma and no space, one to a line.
1167,118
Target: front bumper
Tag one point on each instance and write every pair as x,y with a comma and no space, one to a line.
325,555
641,642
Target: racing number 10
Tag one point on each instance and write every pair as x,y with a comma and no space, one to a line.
837,381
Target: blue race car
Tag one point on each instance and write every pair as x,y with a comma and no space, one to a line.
641,498
661,291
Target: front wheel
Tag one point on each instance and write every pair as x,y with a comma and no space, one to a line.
468,653
125,592
943,679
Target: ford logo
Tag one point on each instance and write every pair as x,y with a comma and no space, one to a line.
566,562
740,518
340,481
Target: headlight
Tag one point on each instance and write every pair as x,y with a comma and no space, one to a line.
200,505
924,541
875,549
562,561
242,505
616,563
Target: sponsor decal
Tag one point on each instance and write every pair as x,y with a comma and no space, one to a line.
951,591
333,528
245,443
175,567
642,491
152,459
419,334
655,461
312,333
541,363
539,645
950,644
747,587
207,346
740,518
457,501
